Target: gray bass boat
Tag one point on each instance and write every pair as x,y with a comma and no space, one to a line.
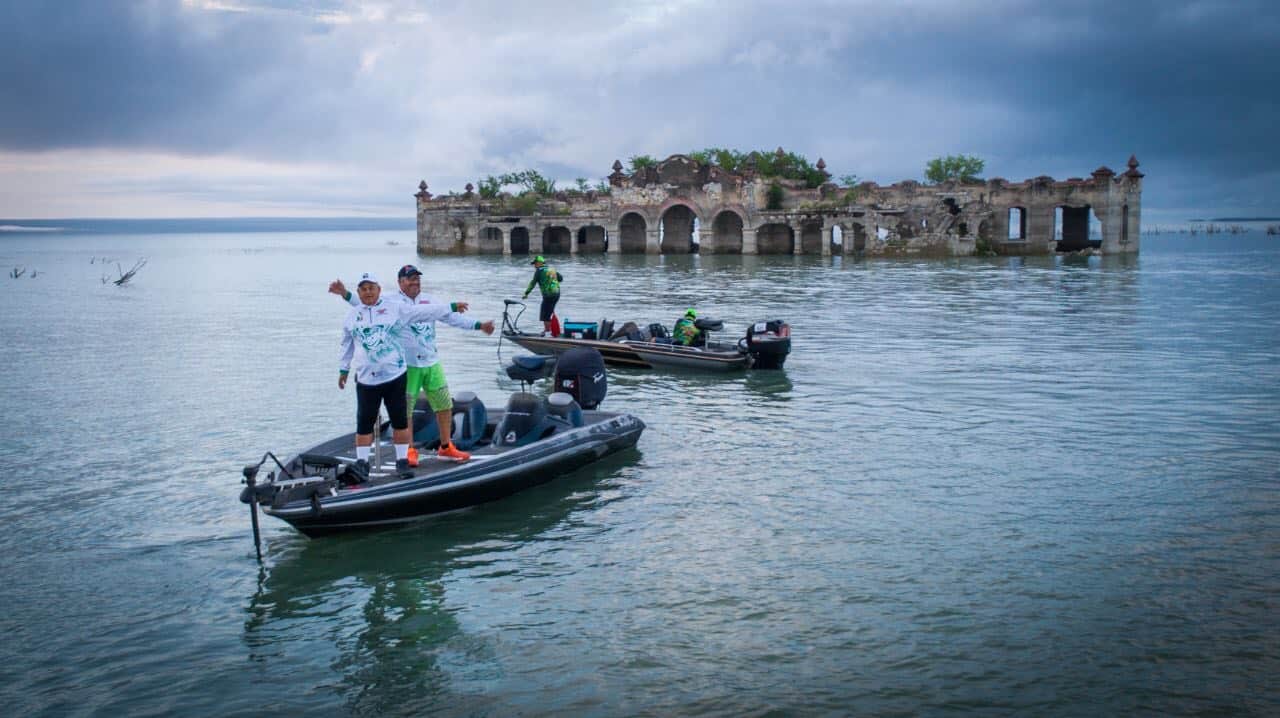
765,345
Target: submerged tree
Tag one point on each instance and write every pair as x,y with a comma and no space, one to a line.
961,168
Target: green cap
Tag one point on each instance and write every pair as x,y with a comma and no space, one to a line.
539,258
691,313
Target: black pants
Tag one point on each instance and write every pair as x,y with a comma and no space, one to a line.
369,396
548,307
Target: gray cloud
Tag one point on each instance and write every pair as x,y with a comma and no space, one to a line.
404,89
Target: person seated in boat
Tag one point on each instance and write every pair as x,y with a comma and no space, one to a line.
685,332
424,373
372,336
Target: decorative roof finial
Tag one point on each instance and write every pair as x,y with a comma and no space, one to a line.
780,153
422,185
821,164
617,165
1132,172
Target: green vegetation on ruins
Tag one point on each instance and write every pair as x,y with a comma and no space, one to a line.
775,164
959,168
532,188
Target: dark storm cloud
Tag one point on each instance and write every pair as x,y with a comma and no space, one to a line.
84,73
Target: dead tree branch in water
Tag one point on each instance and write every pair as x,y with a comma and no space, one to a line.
125,276
17,272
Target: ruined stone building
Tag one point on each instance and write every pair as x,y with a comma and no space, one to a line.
657,209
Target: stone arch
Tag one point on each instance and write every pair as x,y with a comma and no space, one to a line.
555,240
726,233
811,238
775,238
591,239
632,231
519,240
490,240
677,229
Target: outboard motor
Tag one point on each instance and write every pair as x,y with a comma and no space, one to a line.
768,343
580,373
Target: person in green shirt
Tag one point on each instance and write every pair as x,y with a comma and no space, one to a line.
685,332
547,280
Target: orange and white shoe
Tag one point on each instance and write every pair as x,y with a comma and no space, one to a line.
413,456
452,453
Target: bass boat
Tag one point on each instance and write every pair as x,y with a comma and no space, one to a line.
532,441
765,345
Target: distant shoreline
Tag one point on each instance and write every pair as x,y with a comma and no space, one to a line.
1238,219
213,225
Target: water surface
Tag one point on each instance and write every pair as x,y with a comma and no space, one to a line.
1042,486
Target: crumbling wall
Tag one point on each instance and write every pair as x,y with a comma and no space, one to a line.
734,215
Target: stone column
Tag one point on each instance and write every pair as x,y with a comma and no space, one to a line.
706,240
573,240
652,243
613,240
828,236
797,238
506,241
1039,229
535,237
749,241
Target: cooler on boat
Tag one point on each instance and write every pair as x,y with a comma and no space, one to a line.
579,330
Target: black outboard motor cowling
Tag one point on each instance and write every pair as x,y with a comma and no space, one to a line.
580,373
768,343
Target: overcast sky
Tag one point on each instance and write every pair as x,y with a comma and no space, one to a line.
202,108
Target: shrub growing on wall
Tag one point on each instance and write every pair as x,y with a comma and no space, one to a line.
773,197
963,168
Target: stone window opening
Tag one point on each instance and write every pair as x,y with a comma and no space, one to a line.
1017,224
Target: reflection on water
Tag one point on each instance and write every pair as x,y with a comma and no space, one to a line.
377,605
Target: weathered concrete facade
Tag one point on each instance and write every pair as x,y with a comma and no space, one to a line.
654,212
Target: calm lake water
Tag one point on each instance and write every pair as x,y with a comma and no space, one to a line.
984,486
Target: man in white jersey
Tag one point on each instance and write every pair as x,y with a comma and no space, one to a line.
424,372
374,332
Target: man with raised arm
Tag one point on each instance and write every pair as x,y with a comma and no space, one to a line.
383,333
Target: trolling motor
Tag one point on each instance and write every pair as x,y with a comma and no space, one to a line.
253,493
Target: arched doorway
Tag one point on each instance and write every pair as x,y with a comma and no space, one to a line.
837,239
519,240
555,240
775,238
591,239
677,230
631,234
726,233
491,240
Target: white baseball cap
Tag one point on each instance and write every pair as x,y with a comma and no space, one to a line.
368,277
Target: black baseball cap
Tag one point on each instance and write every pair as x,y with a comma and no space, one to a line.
408,270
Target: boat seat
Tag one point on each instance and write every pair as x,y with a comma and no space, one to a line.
564,406
531,361
530,368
